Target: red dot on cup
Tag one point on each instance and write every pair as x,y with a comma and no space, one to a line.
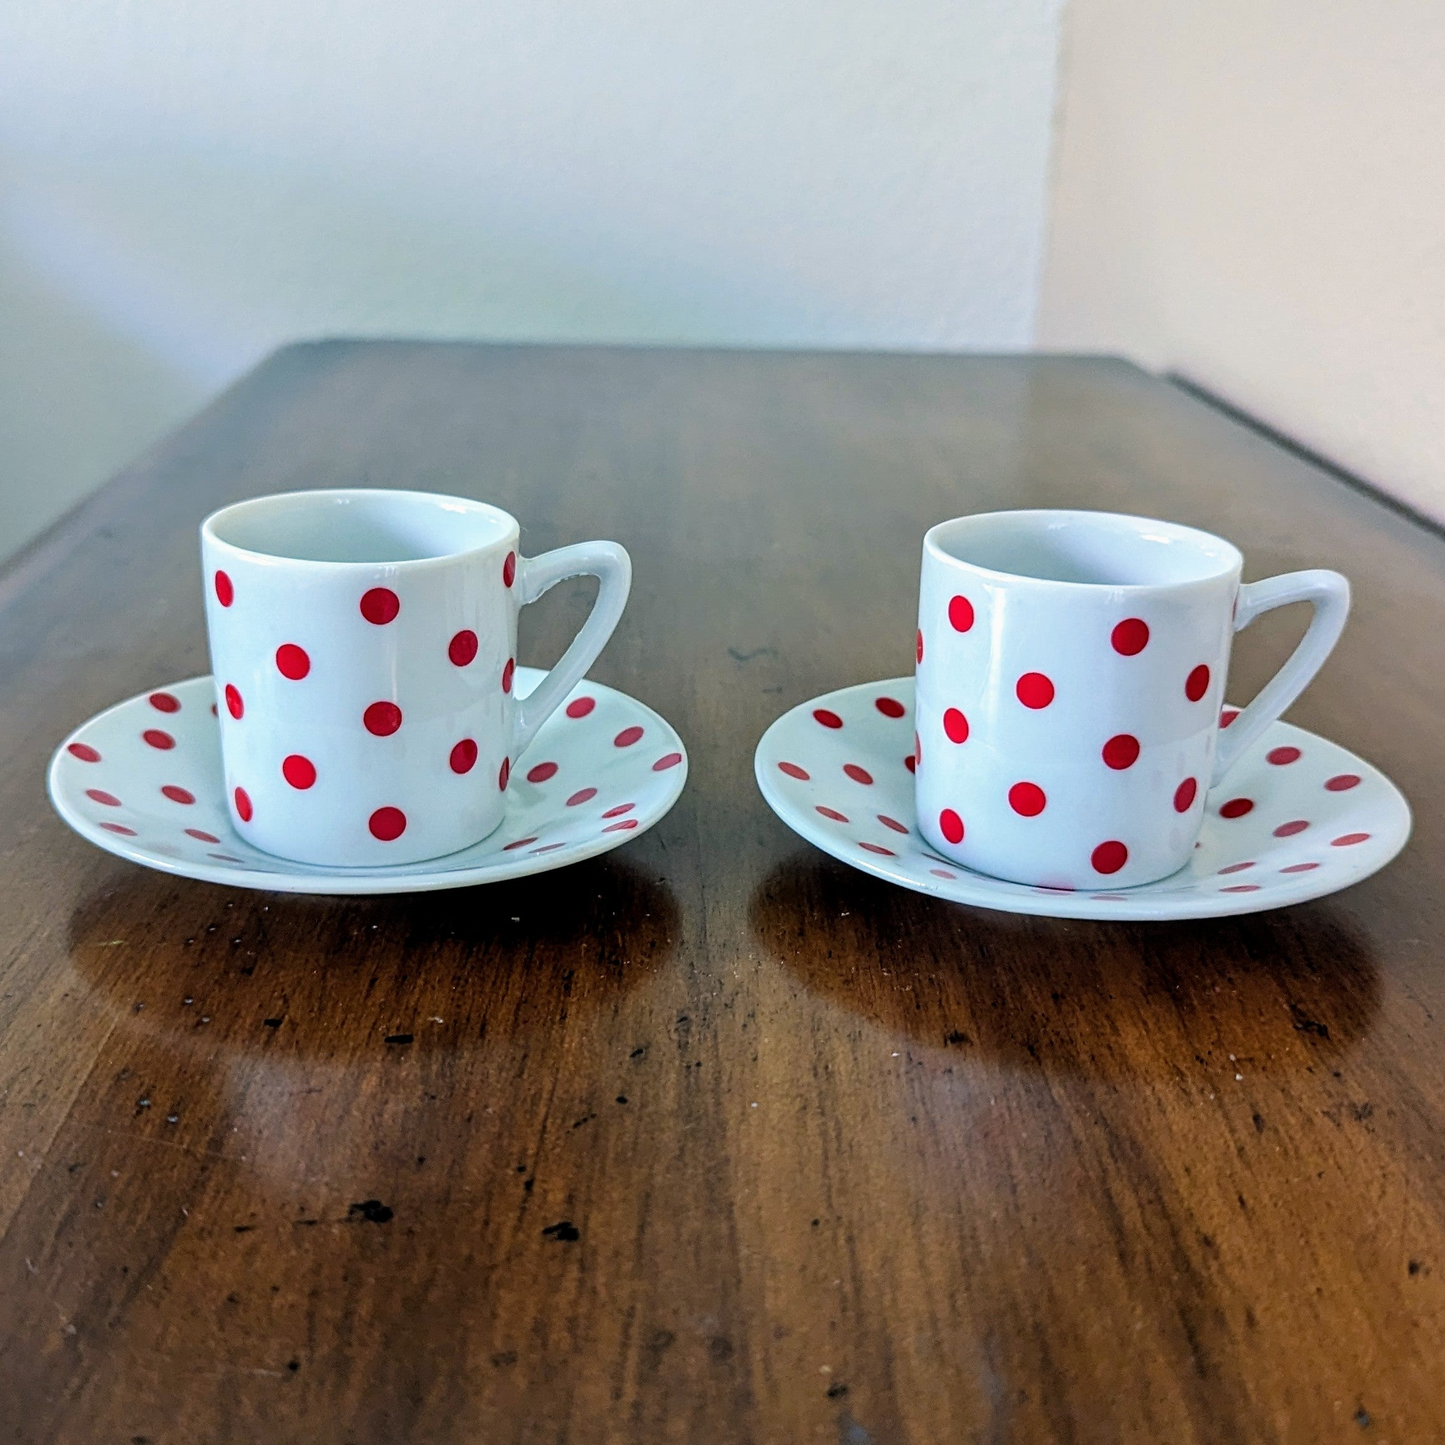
1288,830
84,752
234,705
794,771
1236,807
1197,683
877,848
177,794
292,661
463,756
1185,794
666,761
1027,799
1109,857
1227,716
1034,690
382,719
889,706
202,835
859,775
463,647
827,717
627,737
165,702
581,706
507,672
1130,636
955,725
892,823
1237,867
509,569
625,826
1241,888
99,795
225,592
380,605
299,771
1348,840
911,763
504,773
1280,757
1121,751
158,739
387,824
832,813
950,825
582,795
918,645
1300,868
520,843
119,828
1343,782
244,809
619,810
960,614
541,772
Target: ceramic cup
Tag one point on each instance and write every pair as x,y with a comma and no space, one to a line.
1071,672
363,645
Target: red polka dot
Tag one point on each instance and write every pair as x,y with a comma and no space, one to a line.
387,824
177,794
1241,888
99,795
1109,857
917,749
1236,807
507,672
226,857
960,614
892,823
119,828
794,771
878,848
1227,716
889,706
942,873
504,773
382,719
666,761
859,775
520,843
582,795
292,661
509,569
955,725
911,763
1027,799
618,811
225,592
1034,690
84,752
625,826
1121,751
1300,868
203,836
1288,830
1343,782
541,772
299,771
380,606
463,756
165,702
1197,683
918,645
627,737
828,718
1281,756
158,739
832,813
1185,794
243,805
950,825
463,647
214,713
1346,840
581,706
1130,636
1237,867
549,847
234,705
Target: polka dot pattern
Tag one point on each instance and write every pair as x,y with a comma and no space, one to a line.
462,649
234,704
381,719
579,707
1027,799
292,661
507,673
380,605
387,824
463,756
1130,637
1121,751
960,614
299,771
627,737
225,591
1197,683
159,739
1034,690
955,726
166,702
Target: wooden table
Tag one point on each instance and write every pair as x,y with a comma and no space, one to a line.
836,1162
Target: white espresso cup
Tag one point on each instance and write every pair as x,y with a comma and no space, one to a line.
1070,682
363,645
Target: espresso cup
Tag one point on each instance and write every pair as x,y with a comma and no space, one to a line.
363,645
1070,684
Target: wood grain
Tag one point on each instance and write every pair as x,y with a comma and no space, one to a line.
712,1139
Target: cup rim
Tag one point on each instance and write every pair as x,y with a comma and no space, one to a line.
1231,560
510,536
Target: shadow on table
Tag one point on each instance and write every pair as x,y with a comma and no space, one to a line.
1284,990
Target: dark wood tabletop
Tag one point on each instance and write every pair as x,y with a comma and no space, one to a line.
713,1139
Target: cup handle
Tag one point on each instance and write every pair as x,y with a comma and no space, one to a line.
612,567
1329,594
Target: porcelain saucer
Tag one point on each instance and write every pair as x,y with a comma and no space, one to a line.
1297,816
143,780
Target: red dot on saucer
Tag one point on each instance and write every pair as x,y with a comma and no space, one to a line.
582,795
292,661
541,772
1197,683
509,569
619,810
827,717
119,828
225,592
666,761
380,605
1288,830
504,773
1121,751
918,645
950,825
1280,757
1346,840
177,794
549,847
1227,716
387,824
1342,782
832,813
463,647
1237,867
877,848
581,706
164,702
627,737
1236,807
1027,799
520,843
1184,795
299,771
84,752
955,725
463,756
234,705
1130,637
889,706
99,795
942,873
892,823
960,614
244,809
507,672
382,719
158,739
1300,868
1241,888
625,826
794,771
859,775
1109,857
1034,690
202,835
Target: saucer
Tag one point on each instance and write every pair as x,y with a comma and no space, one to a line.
1297,817
143,780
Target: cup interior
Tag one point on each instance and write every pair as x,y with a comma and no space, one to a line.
360,525
1090,548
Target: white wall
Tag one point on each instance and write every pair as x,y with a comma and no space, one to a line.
1252,192
184,186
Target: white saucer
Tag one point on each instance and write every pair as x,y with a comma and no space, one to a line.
1318,818
143,780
